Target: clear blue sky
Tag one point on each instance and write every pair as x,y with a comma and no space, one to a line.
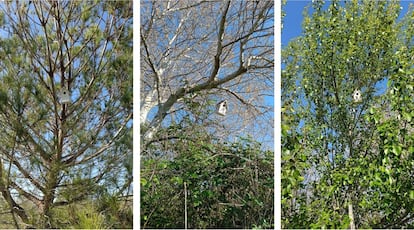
292,22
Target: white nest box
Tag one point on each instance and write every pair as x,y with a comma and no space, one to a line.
221,108
64,96
357,96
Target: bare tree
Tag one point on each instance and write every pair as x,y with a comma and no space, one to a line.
197,53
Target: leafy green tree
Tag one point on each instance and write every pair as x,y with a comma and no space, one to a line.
340,154
56,153
228,185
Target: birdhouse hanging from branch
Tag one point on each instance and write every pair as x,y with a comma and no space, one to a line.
357,96
64,96
221,108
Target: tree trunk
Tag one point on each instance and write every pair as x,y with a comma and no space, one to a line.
351,216
49,196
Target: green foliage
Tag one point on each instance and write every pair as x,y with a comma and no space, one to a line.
62,155
107,211
336,152
229,185
82,216
117,211
90,219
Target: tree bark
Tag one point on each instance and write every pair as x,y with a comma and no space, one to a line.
351,216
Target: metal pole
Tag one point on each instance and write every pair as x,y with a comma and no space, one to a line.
185,205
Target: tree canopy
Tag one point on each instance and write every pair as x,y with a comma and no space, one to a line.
348,163
195,54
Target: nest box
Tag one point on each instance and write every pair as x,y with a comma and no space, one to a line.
221,108
64,96
357,96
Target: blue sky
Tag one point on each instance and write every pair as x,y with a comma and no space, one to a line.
292,22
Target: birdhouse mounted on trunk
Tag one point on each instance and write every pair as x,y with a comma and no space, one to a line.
64,96
221,108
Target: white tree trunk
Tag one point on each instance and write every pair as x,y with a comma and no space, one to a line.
179,60
147,104
351,216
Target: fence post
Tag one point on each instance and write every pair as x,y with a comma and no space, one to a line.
185,205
